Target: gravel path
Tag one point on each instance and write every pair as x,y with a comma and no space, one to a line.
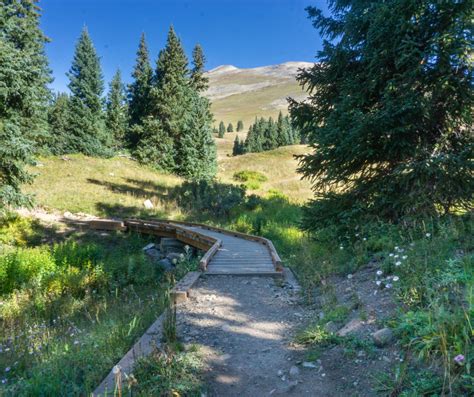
245,327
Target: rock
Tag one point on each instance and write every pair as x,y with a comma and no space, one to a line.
382,337
168,244
153,253
294,372
280,373
148,246
287,388
307,364
166,264
148,204
331,327
351,327
226,328
175,257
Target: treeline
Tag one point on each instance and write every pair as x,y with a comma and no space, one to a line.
161,117
222,129
267,135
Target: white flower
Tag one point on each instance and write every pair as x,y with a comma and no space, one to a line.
4,381
390,255
357,234
349,276
395,278
379,272
388,285
428,235
398,263
378,282
404,257
76,342
396,248
116,369
7,369
341,247
396,256
364,239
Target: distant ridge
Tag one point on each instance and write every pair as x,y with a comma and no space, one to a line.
246,93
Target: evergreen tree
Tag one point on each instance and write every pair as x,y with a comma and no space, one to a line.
58,120
139,93
390,110
198,80
240,125
221,130
24,76
116,116
87,129
230,128
236,147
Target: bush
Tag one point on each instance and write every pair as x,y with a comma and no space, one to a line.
209,197
246,176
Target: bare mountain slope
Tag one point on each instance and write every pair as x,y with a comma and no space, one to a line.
246,93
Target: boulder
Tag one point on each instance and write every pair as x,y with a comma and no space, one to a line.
175,257
168,244
294,372
166,264
352,327
382,337
153,253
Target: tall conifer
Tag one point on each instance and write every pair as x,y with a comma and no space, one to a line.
58,120
24,75
198,80
116,115
87,129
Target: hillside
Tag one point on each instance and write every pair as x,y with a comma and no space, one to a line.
246,93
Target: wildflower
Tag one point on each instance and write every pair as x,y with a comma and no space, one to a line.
174,261
357,234
379,272
459,359
364,239
378,282
341,247
388,286
7,369
395,278
396,256
390,255
4,380
404,257
396,248
76,342
349,276
428,235
116,370
398,263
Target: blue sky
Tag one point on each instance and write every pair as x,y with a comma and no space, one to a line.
244,33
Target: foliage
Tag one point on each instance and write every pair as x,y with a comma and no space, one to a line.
87,132
168,373
58,120
198,80
24,76
209,197
239,146
221,130
240,125
251,179
389,115
139,92
267,135
116,112
230,128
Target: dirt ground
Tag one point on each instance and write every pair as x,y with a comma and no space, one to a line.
245,328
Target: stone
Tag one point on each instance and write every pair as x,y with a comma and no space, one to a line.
153,253
148,204
294,372
148,246
168,244
351,327
175,257
308,364
382,337
166,264
280,373
331,327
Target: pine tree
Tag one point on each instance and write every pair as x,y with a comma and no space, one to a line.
116,115
240,125
139,93
221,130
87,129
230,128
236,147
198,80
58,120
390,110
24,75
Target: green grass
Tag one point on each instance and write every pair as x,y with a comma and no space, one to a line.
70,311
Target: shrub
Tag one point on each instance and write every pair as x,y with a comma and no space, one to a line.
246,176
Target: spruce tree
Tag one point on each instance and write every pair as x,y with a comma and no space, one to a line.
139,93
221,130
240,125
24,75
236,147
199,82
116,115
58,120
230,128
87,129
390,110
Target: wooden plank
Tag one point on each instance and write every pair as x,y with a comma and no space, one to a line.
107,224
180,291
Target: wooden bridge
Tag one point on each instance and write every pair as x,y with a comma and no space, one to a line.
226,252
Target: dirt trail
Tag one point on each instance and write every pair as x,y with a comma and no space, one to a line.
245,327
